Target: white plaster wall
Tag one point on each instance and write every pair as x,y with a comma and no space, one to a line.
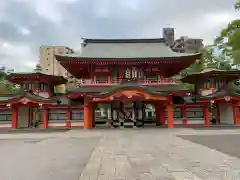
5,124
194,121
77,123
226,114
23,117
59,124
178,121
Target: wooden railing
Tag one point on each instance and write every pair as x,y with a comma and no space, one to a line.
88,82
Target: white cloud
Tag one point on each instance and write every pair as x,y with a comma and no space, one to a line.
48,9
28,24
17,56
213,20
24,31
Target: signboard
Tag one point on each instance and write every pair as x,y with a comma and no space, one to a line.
206,92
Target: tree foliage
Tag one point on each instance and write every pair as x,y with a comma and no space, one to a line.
237,5
6,87
209,59
228,42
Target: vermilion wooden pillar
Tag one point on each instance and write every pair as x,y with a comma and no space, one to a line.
14,117
68,118
93,115
45,118
206,114
170,119
217,113
235,113
162,114
184,115
157,113
88,115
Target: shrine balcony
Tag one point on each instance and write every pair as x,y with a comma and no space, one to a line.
116,82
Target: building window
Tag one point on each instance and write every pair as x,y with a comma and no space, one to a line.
43,87
153,78
101,79
6,116
207,84
194,113
56,115
128,73
77,115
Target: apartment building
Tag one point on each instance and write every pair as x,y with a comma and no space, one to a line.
187,45
183,44
50,65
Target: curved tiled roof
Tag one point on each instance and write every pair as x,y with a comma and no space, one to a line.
8,98
224,90
208,72
55,80
126,49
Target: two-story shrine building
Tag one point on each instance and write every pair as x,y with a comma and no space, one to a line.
122,82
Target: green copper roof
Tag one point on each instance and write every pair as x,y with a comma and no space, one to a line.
24,94
127,48
153,88
224,90
209,72
55,80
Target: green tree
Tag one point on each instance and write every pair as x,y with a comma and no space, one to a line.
6,87
237,5
208,59
228,42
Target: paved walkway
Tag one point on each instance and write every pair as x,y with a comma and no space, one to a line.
130,154
154,155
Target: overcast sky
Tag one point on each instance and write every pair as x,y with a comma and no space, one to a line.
27,24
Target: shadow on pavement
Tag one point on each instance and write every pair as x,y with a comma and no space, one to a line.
226,143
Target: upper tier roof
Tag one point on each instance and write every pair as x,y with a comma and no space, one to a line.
36,76
211,72
126,49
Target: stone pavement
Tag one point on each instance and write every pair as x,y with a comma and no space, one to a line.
111,154
155,155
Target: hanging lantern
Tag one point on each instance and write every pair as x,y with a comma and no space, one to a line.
227,98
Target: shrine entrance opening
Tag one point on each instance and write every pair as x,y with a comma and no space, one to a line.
127,114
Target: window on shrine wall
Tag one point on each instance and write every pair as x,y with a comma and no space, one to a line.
128,73
29,86
24,86
194,113
133,73
43,87
77,115
153,78
101,79
6,116
54,115
207,84
177,113
218,83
